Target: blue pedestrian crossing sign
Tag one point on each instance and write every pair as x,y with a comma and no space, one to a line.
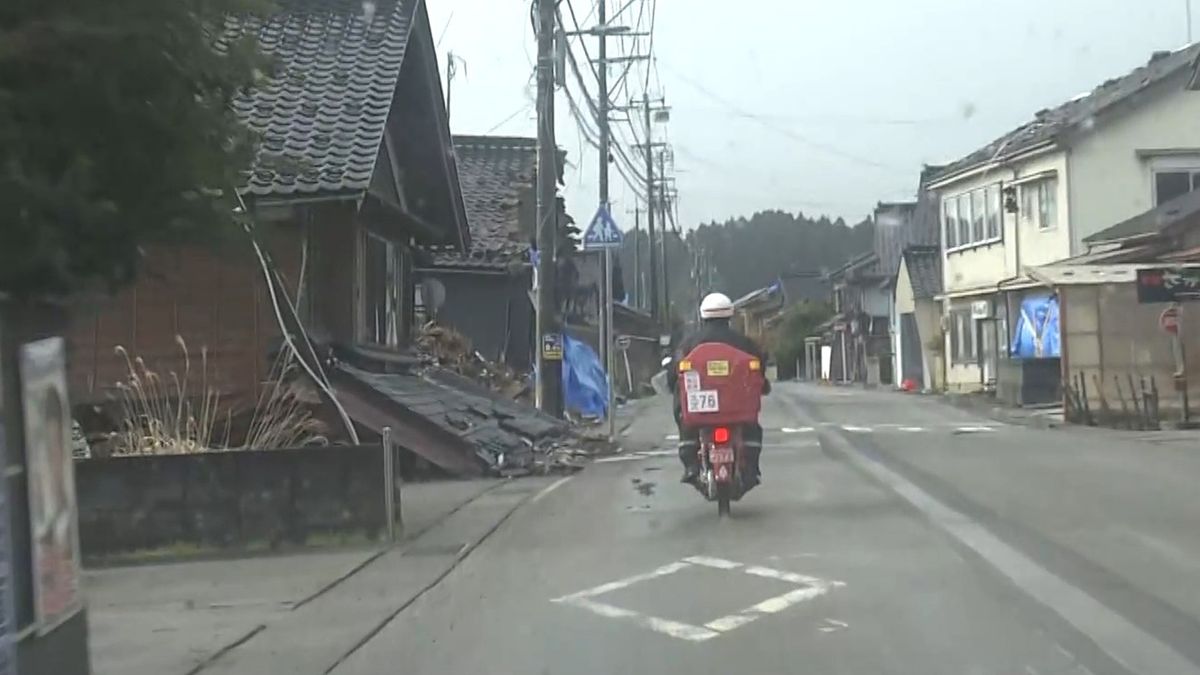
603,231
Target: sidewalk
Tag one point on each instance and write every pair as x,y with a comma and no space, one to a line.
1042,417
289,613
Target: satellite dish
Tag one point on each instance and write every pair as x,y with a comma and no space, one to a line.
433,293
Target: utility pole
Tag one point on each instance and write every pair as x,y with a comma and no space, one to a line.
606,326
663,196
654,306
637,258
550,341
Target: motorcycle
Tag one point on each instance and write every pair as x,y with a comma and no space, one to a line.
721,391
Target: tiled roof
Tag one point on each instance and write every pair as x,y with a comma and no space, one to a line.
1184,208
492,170
1079,112
924,271
321,116
502,432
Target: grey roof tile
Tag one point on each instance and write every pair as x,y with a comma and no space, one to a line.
1080,111
924,271
493,425
492,171
321,116
1181,209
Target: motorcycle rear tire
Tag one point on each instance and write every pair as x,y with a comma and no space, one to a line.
723,500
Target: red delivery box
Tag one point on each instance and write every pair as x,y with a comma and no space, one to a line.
719,384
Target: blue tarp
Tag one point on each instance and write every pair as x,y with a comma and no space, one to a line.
1037,333
585,388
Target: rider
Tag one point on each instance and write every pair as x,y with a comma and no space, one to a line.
716,310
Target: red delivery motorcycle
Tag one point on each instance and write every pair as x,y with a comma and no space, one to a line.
720,391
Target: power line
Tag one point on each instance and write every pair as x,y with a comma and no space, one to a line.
617,142
620,150
799,138
506,120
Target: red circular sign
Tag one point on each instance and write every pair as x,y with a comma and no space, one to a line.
1169,320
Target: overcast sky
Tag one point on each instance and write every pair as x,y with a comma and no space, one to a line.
809,105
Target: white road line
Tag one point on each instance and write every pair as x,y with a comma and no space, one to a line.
769,606
1125,642
809,588
627,581
973,429
796,430
912,429
550,488
676,629
635,456
617,458
858,430
790,577
673,437
716,563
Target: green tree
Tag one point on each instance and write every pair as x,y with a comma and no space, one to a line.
116,130
799,321
750,253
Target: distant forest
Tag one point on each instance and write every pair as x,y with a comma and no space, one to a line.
749,253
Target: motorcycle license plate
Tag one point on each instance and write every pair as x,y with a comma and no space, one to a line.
703,401
718,368
720,455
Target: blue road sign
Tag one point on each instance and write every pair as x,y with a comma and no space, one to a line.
602,232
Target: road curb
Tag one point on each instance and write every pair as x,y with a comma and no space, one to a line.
995,412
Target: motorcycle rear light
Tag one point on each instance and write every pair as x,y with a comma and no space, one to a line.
720,435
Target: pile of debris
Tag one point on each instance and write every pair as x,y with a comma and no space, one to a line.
449,349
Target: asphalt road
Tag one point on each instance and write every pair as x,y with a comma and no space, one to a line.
892,535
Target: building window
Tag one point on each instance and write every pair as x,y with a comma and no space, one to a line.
1047,209
964,220
962,337
1039,204
949,215
993,212
972,218
382,281
978,215
1175,183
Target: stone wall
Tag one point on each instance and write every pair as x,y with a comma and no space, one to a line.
238,501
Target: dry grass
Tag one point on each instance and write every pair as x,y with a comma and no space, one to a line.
164,415
281,417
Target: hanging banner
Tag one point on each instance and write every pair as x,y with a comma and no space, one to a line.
52,515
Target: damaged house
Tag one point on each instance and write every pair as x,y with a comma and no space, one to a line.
355,174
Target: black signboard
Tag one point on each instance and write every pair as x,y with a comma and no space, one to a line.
1168,284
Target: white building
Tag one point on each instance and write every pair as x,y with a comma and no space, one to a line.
1031,196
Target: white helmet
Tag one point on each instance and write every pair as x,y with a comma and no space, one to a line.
716,306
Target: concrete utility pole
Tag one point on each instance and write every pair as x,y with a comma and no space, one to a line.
637,261
650,206
606,332
663,196
550,341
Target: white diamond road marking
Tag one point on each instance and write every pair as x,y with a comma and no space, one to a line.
807,589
